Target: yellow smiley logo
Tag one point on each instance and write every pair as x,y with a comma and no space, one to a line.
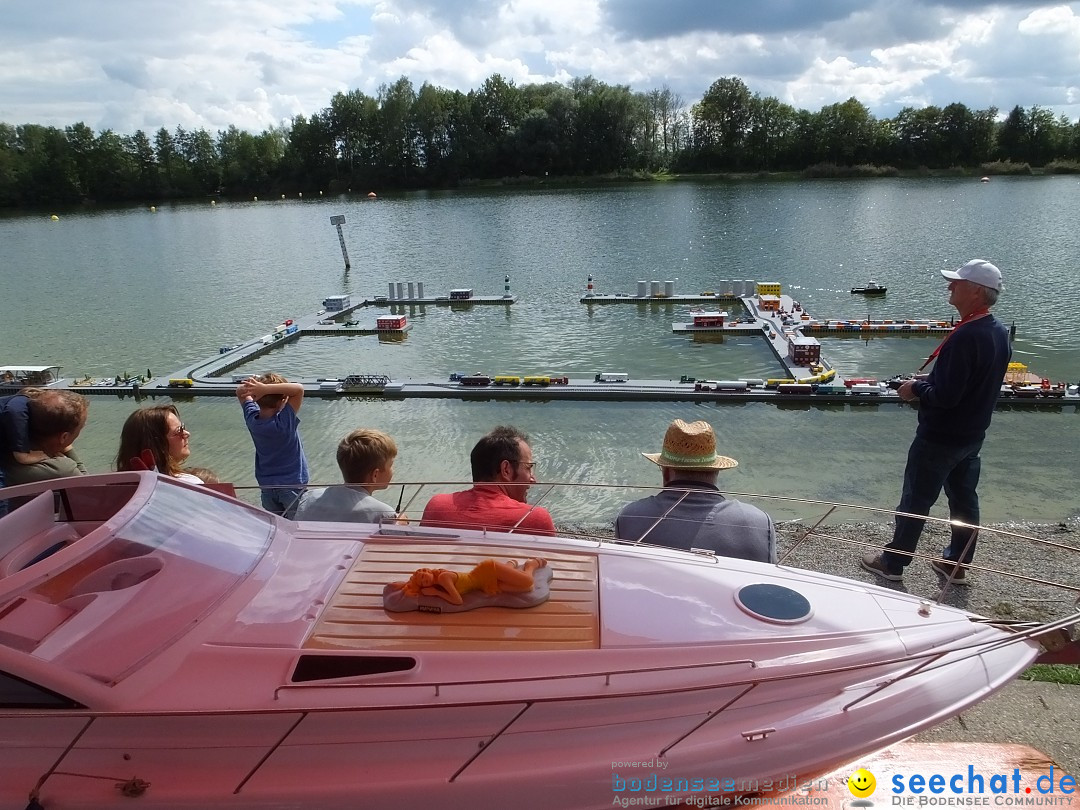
861,783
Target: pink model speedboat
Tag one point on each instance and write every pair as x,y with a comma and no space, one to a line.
164,641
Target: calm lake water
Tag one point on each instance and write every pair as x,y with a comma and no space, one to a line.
103,292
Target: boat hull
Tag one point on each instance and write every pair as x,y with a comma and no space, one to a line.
750,735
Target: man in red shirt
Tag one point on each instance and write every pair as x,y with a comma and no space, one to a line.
502,472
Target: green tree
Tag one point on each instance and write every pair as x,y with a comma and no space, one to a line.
847,131
1012,136
432,118
918,134
174,170
773,127
49,171
606,131
721,123
148,182
556,131
957,136
535,145
667,107
80,140
202,159
495,112
10,166
354,123
309,159
113,170
1073,149
1044,139
398,140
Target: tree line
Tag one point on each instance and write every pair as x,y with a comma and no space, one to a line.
433,137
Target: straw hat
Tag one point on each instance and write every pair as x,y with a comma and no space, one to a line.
690,447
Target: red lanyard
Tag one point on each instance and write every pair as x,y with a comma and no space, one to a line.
966,319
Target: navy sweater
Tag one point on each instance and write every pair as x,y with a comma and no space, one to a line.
957,400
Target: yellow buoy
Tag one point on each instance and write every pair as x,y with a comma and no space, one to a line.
213,202
283,196
153,209
255,199
54,218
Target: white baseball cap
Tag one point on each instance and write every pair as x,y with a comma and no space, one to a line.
978,271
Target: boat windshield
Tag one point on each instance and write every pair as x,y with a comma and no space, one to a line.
29,375
106,612
213,532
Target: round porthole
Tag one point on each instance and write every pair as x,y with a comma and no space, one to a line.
774,603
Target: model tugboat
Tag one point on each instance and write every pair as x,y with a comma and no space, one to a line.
871,288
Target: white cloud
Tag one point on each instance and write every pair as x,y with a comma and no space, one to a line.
1059,21
255,63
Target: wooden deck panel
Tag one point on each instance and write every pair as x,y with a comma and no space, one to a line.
355,617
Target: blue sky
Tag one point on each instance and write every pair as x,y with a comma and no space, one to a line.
125,65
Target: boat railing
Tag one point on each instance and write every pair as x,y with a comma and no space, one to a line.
826,536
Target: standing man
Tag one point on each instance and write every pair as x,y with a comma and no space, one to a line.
956,402
690,512
502,472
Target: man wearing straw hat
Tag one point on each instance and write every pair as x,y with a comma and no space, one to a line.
690,512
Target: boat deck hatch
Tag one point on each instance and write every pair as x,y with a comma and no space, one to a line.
774,603
328,667
355,618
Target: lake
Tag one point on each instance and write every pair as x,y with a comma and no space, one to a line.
101,292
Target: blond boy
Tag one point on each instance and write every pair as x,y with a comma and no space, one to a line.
366,460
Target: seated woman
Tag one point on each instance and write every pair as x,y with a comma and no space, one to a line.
489,576
156,429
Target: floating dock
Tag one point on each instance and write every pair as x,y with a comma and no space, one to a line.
701,298
778,318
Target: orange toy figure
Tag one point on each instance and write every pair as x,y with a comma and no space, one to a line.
489,576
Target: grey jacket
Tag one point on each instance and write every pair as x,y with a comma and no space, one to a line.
702,518
349,504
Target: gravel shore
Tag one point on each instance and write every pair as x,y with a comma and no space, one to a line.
1033,553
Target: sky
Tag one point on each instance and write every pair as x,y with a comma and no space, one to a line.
125,65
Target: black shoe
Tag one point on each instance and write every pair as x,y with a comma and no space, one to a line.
875,564
951,570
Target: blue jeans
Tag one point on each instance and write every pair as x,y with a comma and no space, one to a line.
281,500
931,467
